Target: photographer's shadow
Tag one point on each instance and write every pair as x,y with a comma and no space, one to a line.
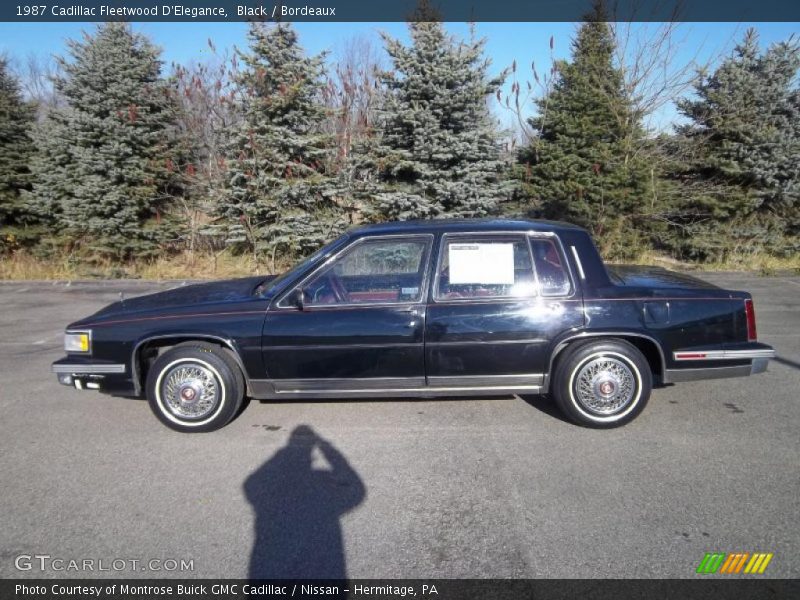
297,509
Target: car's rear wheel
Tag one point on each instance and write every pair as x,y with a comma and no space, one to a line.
602,384
195,388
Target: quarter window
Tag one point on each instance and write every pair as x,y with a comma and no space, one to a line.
550,271
485,267
372,272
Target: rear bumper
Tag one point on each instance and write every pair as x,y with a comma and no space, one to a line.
694,355
749,360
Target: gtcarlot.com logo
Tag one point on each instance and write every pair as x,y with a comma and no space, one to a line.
732,563
45,562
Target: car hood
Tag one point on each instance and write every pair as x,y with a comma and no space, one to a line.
229,290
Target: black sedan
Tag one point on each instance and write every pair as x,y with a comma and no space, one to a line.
429,308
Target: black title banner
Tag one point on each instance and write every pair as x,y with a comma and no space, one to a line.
396,10
397,589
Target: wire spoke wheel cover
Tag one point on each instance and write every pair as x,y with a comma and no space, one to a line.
605,385
195,387
190,391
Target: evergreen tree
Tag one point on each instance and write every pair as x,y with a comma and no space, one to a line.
435,151
742,154
278,197
16,149
103,168
583,166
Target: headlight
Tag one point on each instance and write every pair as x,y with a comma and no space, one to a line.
77,342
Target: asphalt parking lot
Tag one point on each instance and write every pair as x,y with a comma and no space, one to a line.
450,488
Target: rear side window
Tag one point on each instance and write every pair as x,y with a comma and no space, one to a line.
550,271
485,267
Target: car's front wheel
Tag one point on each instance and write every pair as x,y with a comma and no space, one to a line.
195,388
602,384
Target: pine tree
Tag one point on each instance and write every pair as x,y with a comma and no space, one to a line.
103,166
278,197
583,166
435,151
16,150
742,149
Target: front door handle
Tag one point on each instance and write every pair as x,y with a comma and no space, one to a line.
413,313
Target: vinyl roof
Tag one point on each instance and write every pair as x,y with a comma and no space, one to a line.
456,225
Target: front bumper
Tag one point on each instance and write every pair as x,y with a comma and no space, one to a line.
83,373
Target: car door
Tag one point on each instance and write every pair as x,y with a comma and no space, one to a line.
492,315
361,324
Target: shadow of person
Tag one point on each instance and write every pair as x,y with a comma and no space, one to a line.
297,509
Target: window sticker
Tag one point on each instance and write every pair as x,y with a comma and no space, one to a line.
481,263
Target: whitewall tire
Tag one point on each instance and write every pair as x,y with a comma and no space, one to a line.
602,384
195,388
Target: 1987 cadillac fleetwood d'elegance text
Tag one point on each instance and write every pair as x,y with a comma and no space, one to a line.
430,308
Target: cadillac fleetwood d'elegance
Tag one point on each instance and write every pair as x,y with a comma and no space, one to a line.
427,308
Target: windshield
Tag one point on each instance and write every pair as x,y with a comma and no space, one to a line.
302,266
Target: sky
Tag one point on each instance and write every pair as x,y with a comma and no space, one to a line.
506,42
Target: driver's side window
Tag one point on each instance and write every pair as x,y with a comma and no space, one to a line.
377,271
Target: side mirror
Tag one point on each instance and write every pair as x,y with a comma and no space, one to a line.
297,299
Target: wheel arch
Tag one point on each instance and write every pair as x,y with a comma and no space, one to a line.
649,347
171,340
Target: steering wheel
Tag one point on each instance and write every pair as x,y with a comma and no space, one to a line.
338,289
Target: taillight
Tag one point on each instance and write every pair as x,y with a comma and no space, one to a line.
750,313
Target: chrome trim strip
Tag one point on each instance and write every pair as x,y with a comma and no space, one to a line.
722,354
351,306
96,368
578,262
663,299
283,386
487,342
421,392
426,391
460,381
266,389
343,346
283,347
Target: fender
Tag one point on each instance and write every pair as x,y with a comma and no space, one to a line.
226,342
564,342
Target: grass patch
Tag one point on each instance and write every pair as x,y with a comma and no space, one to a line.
760,262
24,266
21,265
